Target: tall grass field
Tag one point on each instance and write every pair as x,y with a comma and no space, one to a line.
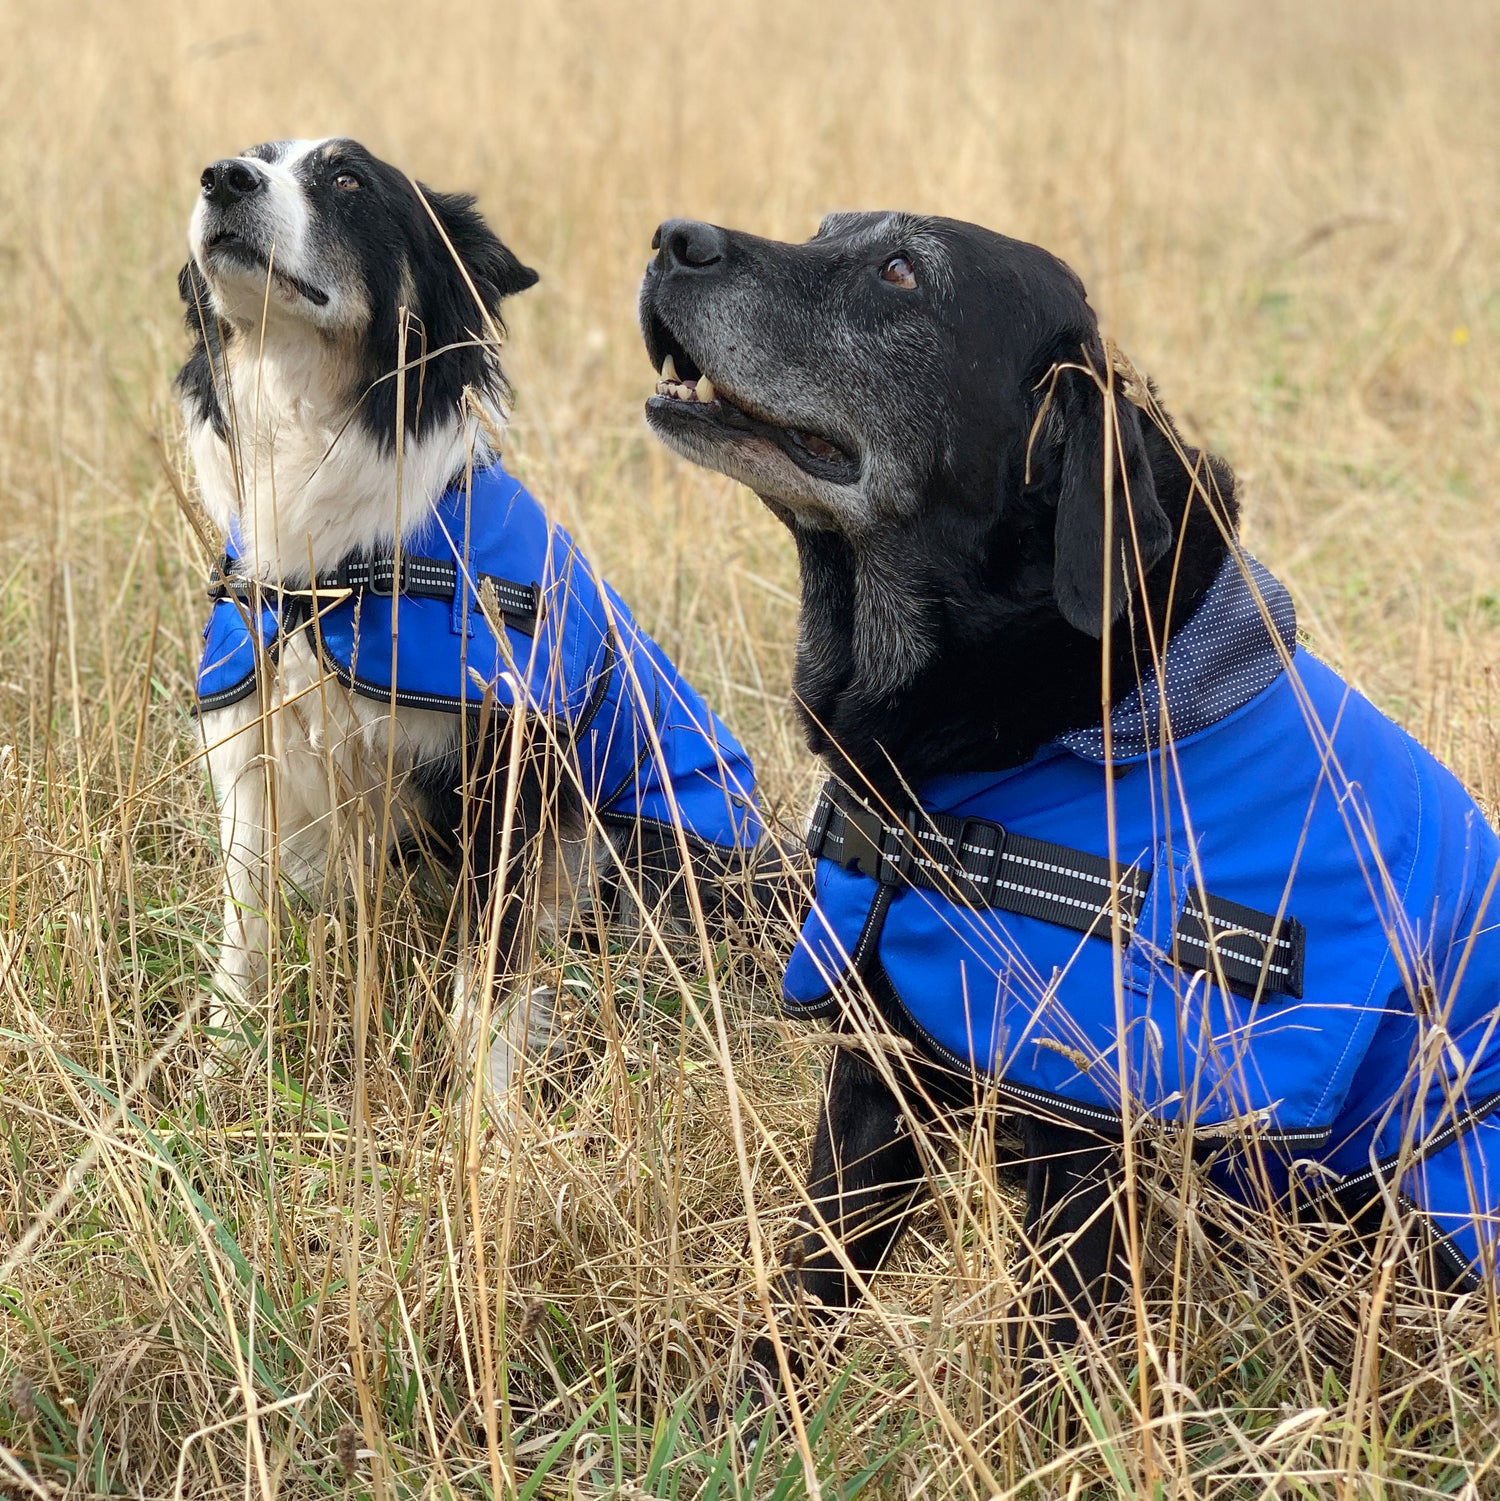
320,1274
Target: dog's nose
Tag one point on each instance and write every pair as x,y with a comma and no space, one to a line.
686,245
228,181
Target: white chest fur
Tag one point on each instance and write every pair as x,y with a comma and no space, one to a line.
313,784
313,781
304,483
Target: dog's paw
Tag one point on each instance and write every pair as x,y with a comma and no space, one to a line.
226,1046
521,1043
522,1038
749,1410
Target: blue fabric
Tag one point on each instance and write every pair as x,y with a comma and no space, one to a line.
1300,798
1445,1185
226,671
644,743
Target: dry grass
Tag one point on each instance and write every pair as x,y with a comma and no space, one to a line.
305,1282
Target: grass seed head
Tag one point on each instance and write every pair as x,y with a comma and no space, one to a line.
346,1450
23,1399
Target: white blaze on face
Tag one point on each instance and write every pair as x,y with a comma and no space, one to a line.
277,225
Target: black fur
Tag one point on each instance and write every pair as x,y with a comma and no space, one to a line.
387,241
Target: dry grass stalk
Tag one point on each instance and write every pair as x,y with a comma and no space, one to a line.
321,1273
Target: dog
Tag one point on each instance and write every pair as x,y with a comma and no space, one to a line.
401,648
1101,842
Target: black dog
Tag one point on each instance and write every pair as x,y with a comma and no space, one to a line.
999,534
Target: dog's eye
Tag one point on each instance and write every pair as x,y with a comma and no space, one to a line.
347,182
899,273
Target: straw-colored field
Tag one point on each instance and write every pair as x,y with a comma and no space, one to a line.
308,1280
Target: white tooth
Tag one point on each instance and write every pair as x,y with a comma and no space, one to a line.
669,368
705,389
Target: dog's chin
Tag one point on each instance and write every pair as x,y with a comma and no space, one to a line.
756,458
245,279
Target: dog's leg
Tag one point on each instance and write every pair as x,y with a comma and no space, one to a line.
865,1179
867,1174
1071,1183
278,820
545,881
238,775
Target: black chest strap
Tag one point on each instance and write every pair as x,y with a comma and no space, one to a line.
419,578
978,863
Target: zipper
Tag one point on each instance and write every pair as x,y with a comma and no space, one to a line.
1444,1138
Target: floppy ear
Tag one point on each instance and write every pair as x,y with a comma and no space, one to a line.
196,383
496,271
193,290
1140,526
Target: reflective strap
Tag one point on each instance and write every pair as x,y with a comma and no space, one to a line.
1245,944
421,578
432,578
978,863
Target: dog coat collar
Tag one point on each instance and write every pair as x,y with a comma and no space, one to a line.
1300,802
494,602
1221,658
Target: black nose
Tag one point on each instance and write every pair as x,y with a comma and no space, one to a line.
228,181
686,245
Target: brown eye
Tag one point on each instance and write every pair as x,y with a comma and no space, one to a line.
899,273
347,182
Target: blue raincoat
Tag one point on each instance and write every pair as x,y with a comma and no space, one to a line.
644,743
1279,788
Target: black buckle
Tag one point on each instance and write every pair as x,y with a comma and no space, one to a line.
875,848
374,588
981,881
218,582
863,837
817,832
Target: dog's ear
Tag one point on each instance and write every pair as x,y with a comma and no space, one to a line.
1075,424
495,268
198,310
197,383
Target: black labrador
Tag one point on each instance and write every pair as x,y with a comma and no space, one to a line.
920,402
1000,531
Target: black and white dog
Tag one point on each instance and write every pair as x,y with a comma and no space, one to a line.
1101,840
344,400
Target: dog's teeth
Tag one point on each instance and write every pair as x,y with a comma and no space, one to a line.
704,389
669,368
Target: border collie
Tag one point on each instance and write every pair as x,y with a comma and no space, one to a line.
1102,841
401,647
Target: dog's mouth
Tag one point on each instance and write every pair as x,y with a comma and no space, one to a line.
235,250
686,395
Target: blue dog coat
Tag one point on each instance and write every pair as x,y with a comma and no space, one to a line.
1306,939
644,744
